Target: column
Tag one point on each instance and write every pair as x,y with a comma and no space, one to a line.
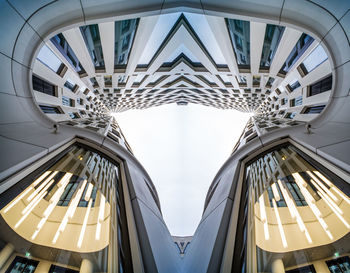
86,266
43,267
277,266
321,267
6,253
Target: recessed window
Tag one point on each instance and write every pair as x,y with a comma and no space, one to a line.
47,57
315,58
80,101
293,85
94,82
313,109
256,81
303,43
62,45
43,86
70,85
296,101
273,35
124,33
242,80
50,109
270,82
68,101
91,35
290,115
320,86
73,115
240,37
108,81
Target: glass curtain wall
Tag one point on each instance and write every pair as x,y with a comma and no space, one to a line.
295,216
67,215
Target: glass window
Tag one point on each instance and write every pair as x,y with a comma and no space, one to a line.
273,35
62,45
91,35
290,115
60,269
320,86
47,57
296,101
240,37
270,82
340,265
66,206
303,43
22,265
315,58
73,115
50,109
256,80
67,101
304,269
70,85
293,85
43,86
242,80
315,215
314,109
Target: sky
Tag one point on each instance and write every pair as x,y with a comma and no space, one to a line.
182,148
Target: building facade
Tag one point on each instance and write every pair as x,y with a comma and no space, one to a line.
75,199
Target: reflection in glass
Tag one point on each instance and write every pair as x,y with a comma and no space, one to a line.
303,43
73,205
240,37
91,35
49,58
273,35
62,45
315,58
124,33
298,214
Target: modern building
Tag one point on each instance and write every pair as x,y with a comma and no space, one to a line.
73,198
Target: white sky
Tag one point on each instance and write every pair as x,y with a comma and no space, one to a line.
182,148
